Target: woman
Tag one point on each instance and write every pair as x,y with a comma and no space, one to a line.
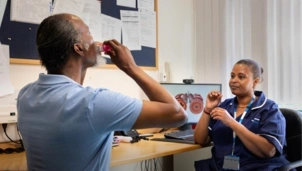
248,131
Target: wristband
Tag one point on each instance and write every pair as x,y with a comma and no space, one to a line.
208,113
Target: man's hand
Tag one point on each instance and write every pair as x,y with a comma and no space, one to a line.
120,55
163,110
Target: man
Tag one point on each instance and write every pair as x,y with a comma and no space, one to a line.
66,126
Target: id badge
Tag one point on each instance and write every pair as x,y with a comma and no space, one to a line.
231,163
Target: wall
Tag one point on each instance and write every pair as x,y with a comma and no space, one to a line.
219,42
176,37
208,38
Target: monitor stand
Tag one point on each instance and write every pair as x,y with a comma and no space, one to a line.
187,126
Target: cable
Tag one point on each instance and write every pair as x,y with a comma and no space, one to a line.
159,163
163,130
4,126
141,163
18,131
146,165
155,164
21,141
12,150
151,165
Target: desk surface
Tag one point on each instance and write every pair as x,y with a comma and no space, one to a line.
123,154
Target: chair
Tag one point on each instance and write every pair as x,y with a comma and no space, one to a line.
293,120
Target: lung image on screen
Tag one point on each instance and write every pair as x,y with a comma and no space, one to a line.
194,102
192,97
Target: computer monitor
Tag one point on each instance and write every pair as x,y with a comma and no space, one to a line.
192,97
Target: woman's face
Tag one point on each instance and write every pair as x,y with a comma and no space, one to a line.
242,80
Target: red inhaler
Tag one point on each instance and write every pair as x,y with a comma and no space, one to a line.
104,48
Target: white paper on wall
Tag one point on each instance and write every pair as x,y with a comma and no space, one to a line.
30,11
6,86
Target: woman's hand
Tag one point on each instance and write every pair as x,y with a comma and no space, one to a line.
222,115
213,100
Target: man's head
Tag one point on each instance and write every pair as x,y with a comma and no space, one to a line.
64,36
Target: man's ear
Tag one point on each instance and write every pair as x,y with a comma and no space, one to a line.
78,48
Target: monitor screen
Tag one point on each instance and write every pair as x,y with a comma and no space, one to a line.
192,97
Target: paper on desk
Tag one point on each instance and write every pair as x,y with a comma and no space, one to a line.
126,3
2,9
6,86
146,4
148,28
111,28
30,11
92,17
74,7
131,29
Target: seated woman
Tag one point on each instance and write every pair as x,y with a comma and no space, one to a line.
248,131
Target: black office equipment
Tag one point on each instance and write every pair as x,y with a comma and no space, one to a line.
188,81
173,140
136,137
181,135
21,37
186,136
130,133
293,121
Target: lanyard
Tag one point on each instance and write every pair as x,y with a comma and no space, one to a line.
242,116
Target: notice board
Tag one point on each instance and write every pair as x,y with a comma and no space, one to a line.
21,37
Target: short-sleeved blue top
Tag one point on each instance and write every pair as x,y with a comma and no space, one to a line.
66,126
265,119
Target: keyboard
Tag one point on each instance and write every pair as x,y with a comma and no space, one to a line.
186,137
181,135
173,140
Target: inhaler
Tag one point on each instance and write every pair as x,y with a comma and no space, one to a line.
104,48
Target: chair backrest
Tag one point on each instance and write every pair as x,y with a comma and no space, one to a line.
293,133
